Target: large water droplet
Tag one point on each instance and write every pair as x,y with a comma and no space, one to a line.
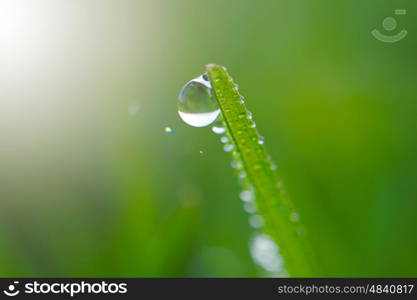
196,104
265,253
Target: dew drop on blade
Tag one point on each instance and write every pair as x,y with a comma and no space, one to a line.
246,195
256,221
196,103
236,164
228,147
250,207
217,129
265,253
224,139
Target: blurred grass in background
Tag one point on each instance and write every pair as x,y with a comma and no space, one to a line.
91,185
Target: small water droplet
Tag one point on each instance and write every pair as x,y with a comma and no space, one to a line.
224,139
196,104
228,147
261,140
250,116
249,207
236,164
243,180
201,152
256,221
242,100
218,129
169,130
252,124
247,195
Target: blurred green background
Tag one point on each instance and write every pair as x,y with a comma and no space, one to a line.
91,185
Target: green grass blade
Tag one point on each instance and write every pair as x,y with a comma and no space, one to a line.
281,219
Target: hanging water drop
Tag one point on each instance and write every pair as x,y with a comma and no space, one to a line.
247,195
228,147
256,221
236,164
261,140
265,253
217,129
250,207
196,103
224,139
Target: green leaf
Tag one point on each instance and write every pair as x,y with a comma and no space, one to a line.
277,210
